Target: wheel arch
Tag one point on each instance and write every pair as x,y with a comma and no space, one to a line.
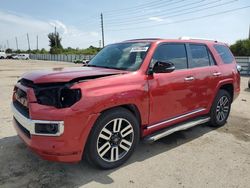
229,88
225,85
131,107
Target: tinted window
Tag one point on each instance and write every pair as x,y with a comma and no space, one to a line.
211,58
224,53
175,53
199,56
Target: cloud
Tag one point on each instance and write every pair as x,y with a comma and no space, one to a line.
59,25
18,25
157,19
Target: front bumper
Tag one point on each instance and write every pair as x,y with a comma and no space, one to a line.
29,124
66,146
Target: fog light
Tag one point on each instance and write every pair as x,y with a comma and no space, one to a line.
42,128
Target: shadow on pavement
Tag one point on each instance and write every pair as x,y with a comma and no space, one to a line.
21,168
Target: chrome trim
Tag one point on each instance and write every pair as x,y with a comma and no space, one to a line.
191,78
176,118
182,127
216,73
29,124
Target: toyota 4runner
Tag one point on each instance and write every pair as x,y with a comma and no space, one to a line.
137,89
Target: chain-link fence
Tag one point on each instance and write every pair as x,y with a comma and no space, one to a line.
244,62
60,57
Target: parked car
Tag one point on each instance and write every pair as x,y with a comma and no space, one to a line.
21,56
3,55
10,56
81,61
137,89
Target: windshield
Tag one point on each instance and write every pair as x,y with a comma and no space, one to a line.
123,56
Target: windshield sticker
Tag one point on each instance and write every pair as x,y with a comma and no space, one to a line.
139,49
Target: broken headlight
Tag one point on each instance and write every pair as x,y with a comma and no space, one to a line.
59,97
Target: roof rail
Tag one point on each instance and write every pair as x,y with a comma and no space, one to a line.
195,38
145,39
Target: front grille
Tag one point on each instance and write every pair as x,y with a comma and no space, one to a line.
23,129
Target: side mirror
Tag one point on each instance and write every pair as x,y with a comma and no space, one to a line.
163,67
238,67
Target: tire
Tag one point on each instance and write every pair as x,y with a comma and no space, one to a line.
220,109
113,139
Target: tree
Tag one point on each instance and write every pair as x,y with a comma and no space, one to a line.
241,48
55,43
8,51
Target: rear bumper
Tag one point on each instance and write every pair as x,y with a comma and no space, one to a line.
66,146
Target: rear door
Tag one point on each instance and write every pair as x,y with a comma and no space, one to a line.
201,63
171,94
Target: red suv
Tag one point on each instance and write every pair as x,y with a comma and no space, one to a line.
137,89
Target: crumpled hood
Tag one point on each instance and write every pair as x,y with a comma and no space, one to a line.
58,75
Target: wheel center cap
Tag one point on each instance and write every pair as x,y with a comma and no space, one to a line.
115,138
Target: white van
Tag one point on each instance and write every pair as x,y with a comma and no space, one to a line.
21,56
3,55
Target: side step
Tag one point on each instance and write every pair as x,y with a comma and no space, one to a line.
172,129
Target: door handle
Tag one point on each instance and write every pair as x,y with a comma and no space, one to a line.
190,78
216,73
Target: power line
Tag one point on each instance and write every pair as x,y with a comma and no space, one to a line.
139,10
185,13
140,14
185,20
178,12
139,6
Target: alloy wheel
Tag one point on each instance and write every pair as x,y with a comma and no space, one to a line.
115,140
222,109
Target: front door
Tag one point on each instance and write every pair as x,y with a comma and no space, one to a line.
172,95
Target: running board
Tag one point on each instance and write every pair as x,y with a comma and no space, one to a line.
172,129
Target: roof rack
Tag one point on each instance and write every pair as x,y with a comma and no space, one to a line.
145,39
194,38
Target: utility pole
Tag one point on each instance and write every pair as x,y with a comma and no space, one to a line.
102,26
100,43
28,39
37,42
8,46
249,33
55,37
16,44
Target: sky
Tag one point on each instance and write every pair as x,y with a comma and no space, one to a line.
78,21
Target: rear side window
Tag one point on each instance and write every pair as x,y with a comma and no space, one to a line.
224,53
199,55
211,58
175,53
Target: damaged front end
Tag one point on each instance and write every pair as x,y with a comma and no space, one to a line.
59,95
